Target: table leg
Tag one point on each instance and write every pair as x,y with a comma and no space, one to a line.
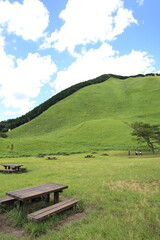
47,198
56,197
24,206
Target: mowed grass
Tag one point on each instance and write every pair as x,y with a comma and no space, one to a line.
119,196
94,118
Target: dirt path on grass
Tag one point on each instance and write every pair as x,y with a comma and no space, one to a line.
69,219
7,228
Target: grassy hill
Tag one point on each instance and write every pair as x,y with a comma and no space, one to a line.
96,117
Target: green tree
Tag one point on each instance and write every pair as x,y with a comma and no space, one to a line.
147,133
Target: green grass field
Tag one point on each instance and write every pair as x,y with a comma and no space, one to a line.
119,196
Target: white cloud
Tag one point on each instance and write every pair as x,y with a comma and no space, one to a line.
123,19
140,2
22,79
101,61
89,21
6,61
28,20
22,83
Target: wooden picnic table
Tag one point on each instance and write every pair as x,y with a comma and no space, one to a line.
15,167
11,168
24,195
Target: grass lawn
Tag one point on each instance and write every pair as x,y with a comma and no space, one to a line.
119,196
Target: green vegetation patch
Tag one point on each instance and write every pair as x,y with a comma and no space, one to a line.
119,196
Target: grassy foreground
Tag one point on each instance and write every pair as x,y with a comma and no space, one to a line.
119,194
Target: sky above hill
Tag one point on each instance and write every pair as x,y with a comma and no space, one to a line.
49,45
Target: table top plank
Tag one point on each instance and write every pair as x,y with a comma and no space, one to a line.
38,187
11,165
35,191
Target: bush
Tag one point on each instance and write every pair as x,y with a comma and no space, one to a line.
3,135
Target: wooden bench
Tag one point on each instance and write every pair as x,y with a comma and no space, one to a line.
52,158
8,170
89,156
53,209
7,199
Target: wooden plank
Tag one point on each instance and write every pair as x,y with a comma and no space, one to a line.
38,188
12,165
7,199
56,208
36,191
7,170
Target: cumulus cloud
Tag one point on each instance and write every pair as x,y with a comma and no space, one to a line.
22,83
96,62
122,20
89,21
6,61
21,79
28,20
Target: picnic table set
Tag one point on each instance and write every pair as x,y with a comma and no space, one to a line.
11,168
25,196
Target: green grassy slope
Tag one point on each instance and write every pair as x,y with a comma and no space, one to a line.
94,118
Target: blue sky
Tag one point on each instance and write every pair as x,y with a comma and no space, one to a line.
49,45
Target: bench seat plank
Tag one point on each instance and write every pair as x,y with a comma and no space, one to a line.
7,199
8,170
53,209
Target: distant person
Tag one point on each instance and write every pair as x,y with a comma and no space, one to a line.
138,153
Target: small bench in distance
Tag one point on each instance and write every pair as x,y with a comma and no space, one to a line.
8,170
53,209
